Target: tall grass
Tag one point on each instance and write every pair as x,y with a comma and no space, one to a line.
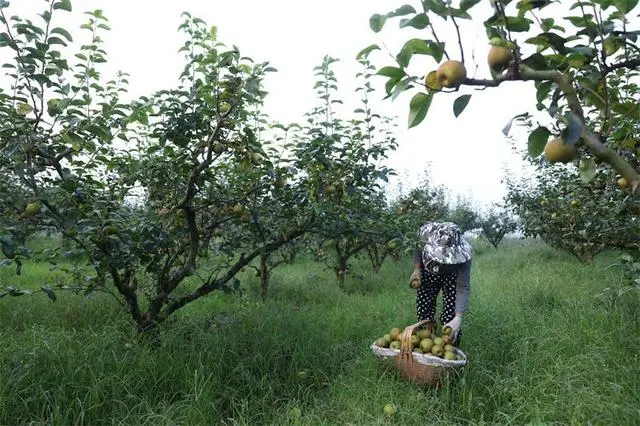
545,346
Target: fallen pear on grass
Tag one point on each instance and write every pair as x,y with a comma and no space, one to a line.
389,410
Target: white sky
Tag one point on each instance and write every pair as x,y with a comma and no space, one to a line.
466,154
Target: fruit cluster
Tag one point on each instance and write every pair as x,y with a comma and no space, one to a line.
423,342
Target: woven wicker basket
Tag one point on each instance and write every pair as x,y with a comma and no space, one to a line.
421,369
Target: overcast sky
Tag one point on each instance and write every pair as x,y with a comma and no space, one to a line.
467,154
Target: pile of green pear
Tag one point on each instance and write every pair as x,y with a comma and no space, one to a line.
423,342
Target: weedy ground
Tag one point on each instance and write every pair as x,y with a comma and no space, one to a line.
547,338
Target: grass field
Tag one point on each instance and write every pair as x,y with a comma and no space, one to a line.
546,345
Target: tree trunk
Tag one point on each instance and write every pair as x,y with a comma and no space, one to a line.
148,331
341,271
264,274
376,258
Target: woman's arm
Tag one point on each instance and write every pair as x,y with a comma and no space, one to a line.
417,259
463,287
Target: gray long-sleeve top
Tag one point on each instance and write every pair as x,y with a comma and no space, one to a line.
463,279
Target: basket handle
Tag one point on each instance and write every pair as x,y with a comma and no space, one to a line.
406,347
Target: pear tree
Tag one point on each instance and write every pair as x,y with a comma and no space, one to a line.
343,160
168,189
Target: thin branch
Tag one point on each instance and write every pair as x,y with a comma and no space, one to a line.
597,14
536,18
455,24
14,46
602,62
514,68
433,31
630,64
40,112
624,30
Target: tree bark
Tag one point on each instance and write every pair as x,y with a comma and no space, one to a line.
264,274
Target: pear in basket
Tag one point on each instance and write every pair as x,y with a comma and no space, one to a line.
382,342
395,331
426,345
451,356
447,339
437,350
394,345
415,341
424,334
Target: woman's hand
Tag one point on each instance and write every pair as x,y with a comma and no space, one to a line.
455,325
414,279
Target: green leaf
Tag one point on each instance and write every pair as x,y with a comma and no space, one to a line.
400,87
625,6
76,141
629,109
468,4
518,24
376,22
584,50
391,72
574,128
63,5
588,169
580,21
549,40
543,90
99,131
390,84
56,40
525,5
5,40
365,52
402,11
457,13
436,6
419,47
512,23
536,61
576,60
612,45
537,140
420,21
64,33
418,108
460,104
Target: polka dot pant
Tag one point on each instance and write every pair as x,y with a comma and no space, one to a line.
428,292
